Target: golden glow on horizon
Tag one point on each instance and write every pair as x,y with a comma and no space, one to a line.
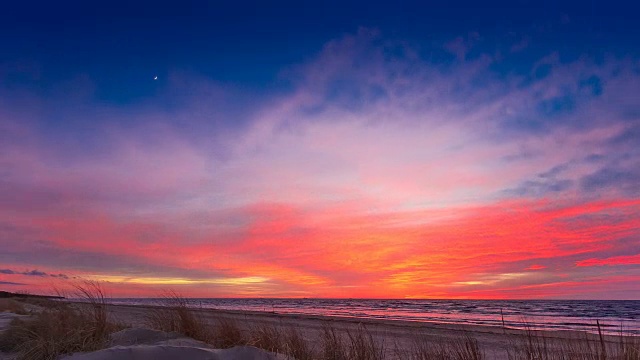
179,281
470,283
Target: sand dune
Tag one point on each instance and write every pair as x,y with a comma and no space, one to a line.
146,344
173,352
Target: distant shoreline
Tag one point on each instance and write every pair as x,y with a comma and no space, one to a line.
556,315
7,294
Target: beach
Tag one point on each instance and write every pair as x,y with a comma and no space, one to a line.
391,334
254,335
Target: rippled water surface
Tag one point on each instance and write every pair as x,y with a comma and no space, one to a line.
543,314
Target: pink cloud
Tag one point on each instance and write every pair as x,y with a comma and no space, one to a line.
611,261
409,193
536,267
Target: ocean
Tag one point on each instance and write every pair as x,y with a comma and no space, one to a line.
614,316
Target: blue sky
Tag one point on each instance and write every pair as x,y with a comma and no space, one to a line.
461,149
121,46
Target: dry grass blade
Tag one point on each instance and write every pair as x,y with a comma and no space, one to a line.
60,329
532,345
92,292
296,346
175,315
535,345
463,347
629,348
13,306
362,345
228,334
466,348
333,345
267,337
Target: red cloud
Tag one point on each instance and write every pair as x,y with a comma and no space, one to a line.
347,252
612,261
536,267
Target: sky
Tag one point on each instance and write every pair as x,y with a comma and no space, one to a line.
472,150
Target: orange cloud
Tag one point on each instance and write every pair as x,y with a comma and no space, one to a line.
536,267
347,251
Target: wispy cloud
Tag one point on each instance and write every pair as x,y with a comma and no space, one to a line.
32,273
612,261
11,283
377,171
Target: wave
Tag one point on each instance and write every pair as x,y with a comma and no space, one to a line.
614,317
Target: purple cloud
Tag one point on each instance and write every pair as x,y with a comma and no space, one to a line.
32,273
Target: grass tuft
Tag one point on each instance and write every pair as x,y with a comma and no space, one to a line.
356,344
227,334
296,346
535,345
60,329
333,345
362,345
13,306
175,316
267,337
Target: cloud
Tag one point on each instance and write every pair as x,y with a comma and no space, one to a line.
621,179
32,273
376,172
11,283
543,187
536,267
612,261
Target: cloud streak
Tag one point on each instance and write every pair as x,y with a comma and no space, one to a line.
32,273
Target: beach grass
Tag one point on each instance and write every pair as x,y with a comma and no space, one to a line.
267,337
296,346
360,343
464,347
174,315
334,346
289,341
61,328
537,345
13,306
363,346
227,333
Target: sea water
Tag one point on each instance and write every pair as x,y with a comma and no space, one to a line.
613,316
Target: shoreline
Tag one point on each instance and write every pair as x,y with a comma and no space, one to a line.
495,341
151,328
440,325
550,317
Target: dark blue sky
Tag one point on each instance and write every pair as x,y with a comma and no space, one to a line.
120,45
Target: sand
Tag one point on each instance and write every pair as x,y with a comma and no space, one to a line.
140,343
392,333
145,344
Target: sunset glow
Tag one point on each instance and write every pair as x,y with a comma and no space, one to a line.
474,165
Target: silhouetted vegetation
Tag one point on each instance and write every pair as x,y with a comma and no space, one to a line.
61,328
